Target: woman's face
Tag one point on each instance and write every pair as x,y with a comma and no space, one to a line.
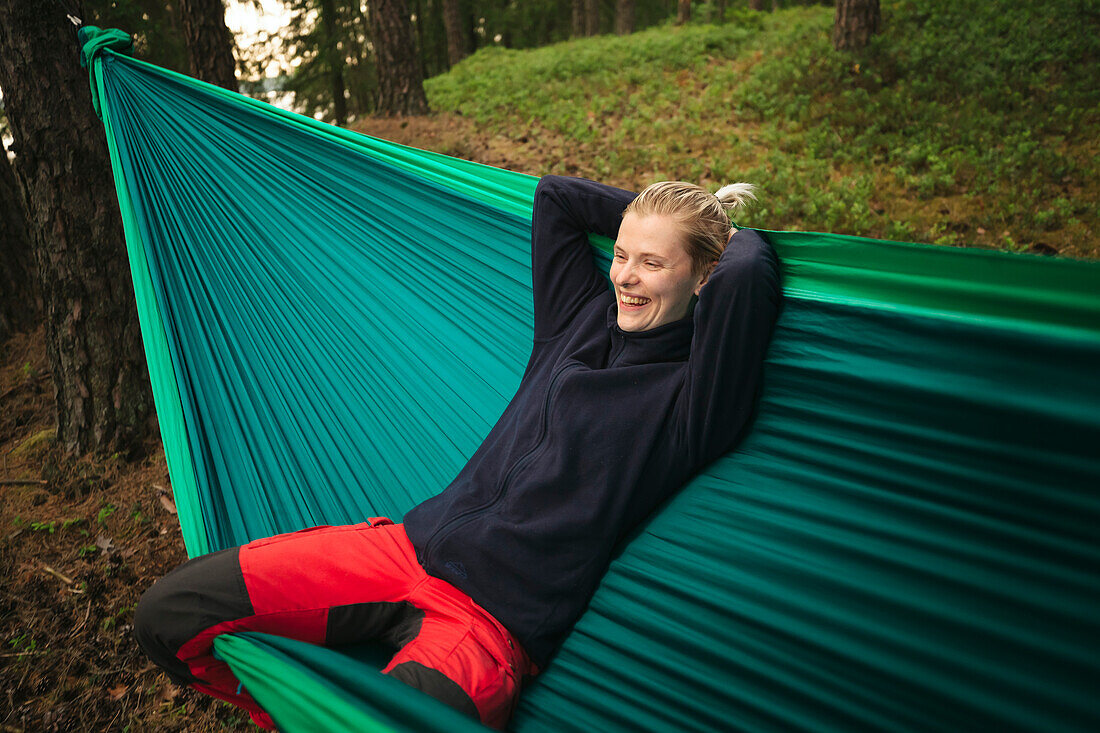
652,273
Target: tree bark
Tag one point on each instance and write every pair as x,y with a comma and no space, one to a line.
683,13
335,57
624,17
856,22
92,339
456,39
18,295
756,4
578,18
400,85
209,42
592,17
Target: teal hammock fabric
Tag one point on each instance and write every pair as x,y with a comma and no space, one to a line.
906,540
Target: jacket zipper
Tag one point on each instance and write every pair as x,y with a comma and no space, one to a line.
466,516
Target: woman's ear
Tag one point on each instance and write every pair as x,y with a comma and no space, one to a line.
706,276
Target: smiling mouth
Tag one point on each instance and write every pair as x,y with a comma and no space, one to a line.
633,301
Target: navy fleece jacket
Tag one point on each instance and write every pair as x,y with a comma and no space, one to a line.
606,424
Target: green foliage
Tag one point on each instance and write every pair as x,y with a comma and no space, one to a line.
955,98
318,46
963,120
105,511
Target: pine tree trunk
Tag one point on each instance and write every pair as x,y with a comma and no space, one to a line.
624,17
335,64
683,13
92,338
18,295
578,18
592,17
456,39
400,85
209,42
856,22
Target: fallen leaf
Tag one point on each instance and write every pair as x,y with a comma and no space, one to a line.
165,497
168,504
981,231
116,693
166,693
106,544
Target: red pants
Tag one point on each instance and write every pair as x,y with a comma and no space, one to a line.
333,585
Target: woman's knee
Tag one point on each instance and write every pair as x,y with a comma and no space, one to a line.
201,593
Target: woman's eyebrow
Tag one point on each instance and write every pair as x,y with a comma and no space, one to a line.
650,255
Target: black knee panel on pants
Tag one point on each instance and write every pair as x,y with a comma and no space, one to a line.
201,593
436,684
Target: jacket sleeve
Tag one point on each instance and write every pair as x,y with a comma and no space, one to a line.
734,319
564,273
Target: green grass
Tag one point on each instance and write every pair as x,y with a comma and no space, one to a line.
964,122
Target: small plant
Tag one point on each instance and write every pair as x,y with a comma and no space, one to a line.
106,511
48,527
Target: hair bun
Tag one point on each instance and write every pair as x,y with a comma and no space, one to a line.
735,196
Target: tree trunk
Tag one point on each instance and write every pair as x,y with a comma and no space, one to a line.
18,295
683,13
591,17
756,4
456,39
856,22
92,338
578,18
335,57
209,42
624,17
720,11
400,85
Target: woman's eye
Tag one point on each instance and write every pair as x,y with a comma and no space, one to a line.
620,257
652,265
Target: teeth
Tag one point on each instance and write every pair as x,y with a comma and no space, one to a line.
634,300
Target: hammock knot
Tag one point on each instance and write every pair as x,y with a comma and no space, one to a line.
94,41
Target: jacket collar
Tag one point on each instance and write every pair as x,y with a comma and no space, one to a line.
667,342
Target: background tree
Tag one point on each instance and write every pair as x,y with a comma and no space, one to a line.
400,84
18,306
457,47
856,22
683,12
591,17
92,340
578,18
624,17
209,42
328,43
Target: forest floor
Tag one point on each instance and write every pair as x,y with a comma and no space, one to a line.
80,541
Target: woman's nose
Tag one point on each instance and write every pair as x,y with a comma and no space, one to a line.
625,275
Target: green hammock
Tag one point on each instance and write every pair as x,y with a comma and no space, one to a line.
906,540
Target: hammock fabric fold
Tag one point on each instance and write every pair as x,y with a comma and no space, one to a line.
907,539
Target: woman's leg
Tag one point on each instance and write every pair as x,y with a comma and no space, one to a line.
325,585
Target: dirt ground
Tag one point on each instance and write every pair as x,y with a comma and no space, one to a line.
79,542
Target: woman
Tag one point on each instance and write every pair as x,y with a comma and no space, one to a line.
626,394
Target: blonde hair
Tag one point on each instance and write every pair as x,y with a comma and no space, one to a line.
703,217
